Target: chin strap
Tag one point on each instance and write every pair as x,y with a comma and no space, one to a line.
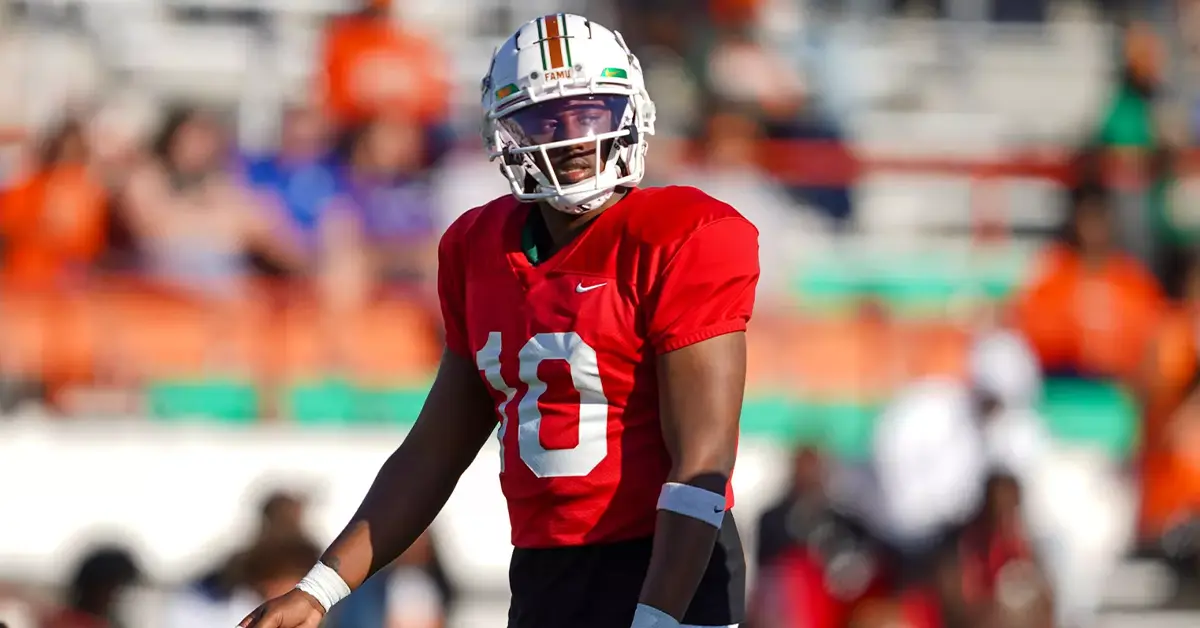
567,207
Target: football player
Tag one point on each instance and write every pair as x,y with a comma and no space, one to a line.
602,327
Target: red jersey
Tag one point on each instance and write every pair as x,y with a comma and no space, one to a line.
568,348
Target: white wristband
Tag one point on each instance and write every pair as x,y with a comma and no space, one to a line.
650,617
694,502
324,584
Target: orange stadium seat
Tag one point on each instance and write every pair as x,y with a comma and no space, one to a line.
160,334
396,341
766,342
844,359
392,341
48,335
23,332
934,349
297,347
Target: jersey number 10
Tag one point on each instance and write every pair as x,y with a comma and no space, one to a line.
592,447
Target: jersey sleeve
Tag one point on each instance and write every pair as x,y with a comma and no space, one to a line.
452,290
707,287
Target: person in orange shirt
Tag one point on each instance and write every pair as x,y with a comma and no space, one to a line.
371,67
1171,434
1172,363
1091,309
53,221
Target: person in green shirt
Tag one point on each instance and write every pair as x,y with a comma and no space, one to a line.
1131,133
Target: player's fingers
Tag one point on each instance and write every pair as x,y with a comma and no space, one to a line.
253,619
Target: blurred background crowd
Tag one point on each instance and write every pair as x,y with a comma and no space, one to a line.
974,394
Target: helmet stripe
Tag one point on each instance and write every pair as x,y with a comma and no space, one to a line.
554,42
542,42
566,38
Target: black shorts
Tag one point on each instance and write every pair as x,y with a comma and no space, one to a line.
597,586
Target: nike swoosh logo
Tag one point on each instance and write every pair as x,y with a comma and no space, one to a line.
718,509
582,288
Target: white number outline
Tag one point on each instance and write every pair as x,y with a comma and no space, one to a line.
592,448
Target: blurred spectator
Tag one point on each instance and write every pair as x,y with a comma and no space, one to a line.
224,595
1061,485
1007,382
1002,584
282,516
815,562
1171,492
744,73
1132,128
305,180
195,223
371,66
1188,26
394,198
929,456
413,592
1171,471
270,568
275,566
95,592
1169,372
798,591
52,229
997,537
301,176
730,173
1090,309
53,221
787,522
934,445
119,134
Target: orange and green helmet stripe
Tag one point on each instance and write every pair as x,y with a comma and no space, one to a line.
554,41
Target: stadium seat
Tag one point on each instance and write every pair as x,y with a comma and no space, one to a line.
843,427
338,402
395,340
909,283
1093,413
770,416
398,405
323,402
218,400
843,359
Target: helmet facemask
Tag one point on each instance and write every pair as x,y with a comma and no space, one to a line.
570,152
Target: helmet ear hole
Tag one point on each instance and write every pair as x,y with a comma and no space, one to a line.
510,158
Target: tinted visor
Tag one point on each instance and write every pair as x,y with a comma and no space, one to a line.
564,119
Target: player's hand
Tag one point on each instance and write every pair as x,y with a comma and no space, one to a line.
294,609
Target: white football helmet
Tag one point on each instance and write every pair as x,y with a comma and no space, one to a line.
562,81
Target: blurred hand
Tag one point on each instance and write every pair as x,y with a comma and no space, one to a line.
294,609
